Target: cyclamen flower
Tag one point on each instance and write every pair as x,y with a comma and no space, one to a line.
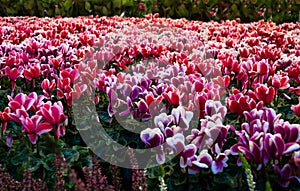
274,145
187,155
220,161
214,107
21,101
143,110
38,101
264,136
54,115
251,149
286,175
34,127
280,82
182,118
203,160
32,72
296,109
264,93
263,67
176,142
199,101
152,137
162,121
173,98
238,102
48,86
13,73
4,117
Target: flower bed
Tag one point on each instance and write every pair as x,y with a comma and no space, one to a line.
219,102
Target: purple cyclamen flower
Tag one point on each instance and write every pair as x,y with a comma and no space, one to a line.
296,159
203,160
274,145
152,137
219,163
163,120
187,155
135,92
289,132
143,110
285,175
215,107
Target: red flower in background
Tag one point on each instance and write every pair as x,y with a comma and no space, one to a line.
296,109
4,117
32,73
238,102
142,6
280,82
48,86
172,97
12,74
264,93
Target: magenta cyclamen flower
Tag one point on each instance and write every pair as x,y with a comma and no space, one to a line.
34,127
54,115
274,145
187,155
265,137
286,175
143,110
21,101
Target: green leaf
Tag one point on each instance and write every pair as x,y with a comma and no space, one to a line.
268,186
20,157
34,163
156,172
87,6
226,179
128,3
182,11
104,116
71,155
47,162
68,4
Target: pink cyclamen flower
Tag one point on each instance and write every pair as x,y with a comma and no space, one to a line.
296,109
54,115
34,127
21,101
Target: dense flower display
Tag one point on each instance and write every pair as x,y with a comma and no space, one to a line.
200,84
